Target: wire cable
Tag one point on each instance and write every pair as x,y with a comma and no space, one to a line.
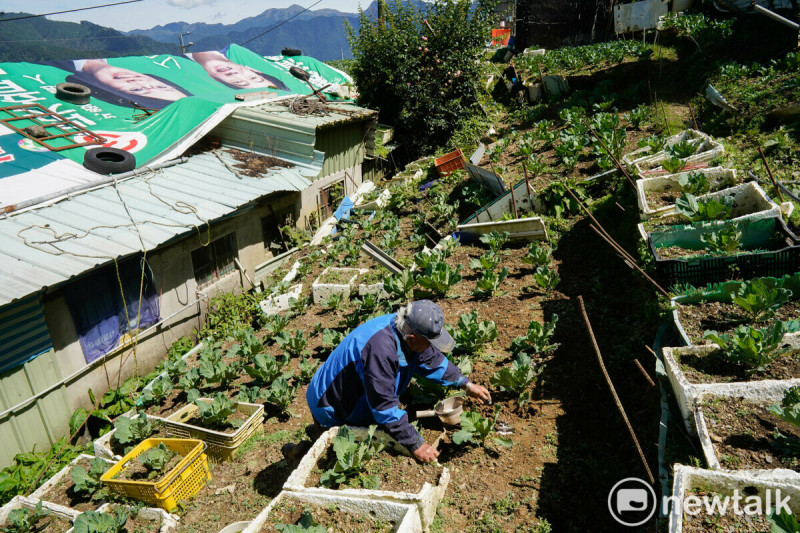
23,17
281,23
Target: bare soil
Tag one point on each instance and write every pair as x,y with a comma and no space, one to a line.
730,523
290,512
724,317
713,368
743,436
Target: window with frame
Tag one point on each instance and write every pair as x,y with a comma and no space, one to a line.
212,262
330,197
274,241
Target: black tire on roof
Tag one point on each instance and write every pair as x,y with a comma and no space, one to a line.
74,93
109,160
291,52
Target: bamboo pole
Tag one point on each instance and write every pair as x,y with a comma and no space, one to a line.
769,171
614,159
613,390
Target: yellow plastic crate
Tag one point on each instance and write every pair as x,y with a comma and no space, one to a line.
184,481
221,446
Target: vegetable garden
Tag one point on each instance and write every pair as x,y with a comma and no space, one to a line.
543,456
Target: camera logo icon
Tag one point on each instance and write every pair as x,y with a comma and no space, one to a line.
632,502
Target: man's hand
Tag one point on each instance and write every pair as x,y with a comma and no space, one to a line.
479,392
426,453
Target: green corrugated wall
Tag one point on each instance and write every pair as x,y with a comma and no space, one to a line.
342,146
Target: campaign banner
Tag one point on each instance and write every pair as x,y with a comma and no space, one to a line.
142,104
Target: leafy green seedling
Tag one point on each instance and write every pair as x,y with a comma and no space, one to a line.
249,394
682,149
400,286
439,277
88,482
161,388
131,431
725,240
331,338
306,524
489,282
495,240
274,324
704,209
280,394
673,165
247,347
518,378
694,183
27,520
759,300
155,460
537,339
333,301
307,367
486,262
752,348
175,368
537,255
191,379
352,456
266,368
476,429
785,522
471,335
219,372
789,408
546,277
94,522
294,345
217,411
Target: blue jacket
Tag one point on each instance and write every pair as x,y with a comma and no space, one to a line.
361,381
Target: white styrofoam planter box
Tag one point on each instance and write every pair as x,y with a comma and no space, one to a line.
321,290
707,149
18,502
688,478
686,393
758,215
165,522
278,303
426,499
373,288
405,516
520,228
102,445
770,396
640,154
715,175
379,202
39,493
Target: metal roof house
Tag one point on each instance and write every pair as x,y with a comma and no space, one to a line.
167,236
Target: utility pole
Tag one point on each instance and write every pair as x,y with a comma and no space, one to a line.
184,47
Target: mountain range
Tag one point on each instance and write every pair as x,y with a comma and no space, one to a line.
320,34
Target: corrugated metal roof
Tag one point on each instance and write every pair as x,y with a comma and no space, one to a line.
52,243
272,127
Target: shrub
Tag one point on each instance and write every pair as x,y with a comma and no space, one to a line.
421,81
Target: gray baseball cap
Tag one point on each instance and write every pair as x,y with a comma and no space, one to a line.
427,319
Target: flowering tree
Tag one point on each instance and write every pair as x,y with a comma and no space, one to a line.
417,66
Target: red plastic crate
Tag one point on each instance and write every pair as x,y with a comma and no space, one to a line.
450,162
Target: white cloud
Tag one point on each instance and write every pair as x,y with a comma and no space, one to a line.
219,15
189,4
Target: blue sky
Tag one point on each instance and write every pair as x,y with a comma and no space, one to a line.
149,13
